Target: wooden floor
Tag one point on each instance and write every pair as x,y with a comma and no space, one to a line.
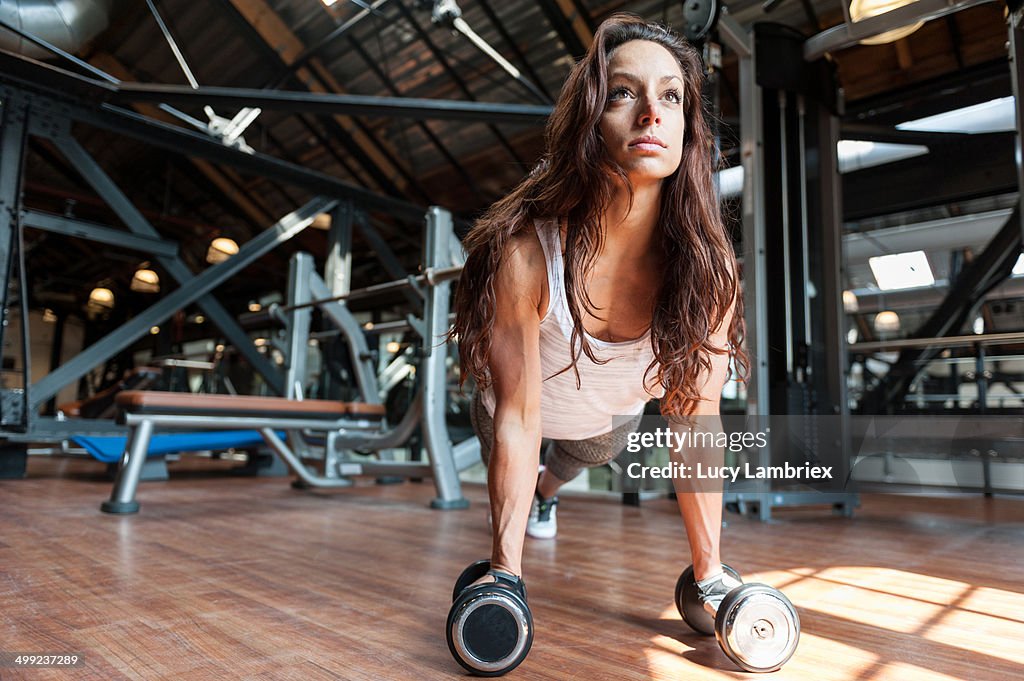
241,578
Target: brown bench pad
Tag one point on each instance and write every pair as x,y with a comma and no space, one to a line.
239,406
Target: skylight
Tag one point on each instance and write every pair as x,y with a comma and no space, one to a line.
902,270
861,154
996,115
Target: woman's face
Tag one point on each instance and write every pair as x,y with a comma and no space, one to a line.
643,121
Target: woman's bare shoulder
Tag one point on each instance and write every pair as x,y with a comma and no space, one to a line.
523,259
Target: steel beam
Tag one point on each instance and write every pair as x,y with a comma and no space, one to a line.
94,232
129,124
1015,23
13,142
25,70
200,285
975,165
130,215
573,44
848,34
57,83
988,269
463,87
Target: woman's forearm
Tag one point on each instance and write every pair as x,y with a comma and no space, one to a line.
511,481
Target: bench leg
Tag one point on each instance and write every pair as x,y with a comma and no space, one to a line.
122,499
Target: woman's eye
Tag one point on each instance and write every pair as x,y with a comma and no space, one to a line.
618,93
673,96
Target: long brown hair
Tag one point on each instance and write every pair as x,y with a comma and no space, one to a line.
575,180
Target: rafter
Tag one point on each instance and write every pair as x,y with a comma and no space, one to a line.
316,77
225,180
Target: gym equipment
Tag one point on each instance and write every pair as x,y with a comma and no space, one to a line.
756,626
341,427
110,448
490,627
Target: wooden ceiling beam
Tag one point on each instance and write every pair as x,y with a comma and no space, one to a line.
315,76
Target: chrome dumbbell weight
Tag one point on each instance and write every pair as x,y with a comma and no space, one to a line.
490,627
756,626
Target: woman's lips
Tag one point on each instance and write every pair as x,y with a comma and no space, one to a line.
646,146
647,143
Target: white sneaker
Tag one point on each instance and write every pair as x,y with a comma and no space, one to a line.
542,523
713,590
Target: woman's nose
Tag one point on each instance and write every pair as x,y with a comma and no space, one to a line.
650,115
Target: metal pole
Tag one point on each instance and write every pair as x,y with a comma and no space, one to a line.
437,251
13,137
981,381
1015,22
754,263
787,274
299,320
362,359
338,270
755,282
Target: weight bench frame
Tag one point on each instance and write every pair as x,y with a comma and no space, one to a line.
347,425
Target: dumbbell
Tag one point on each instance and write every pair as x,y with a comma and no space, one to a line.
490,627
756,625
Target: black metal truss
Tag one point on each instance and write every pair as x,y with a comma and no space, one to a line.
371,63
454,75
984,273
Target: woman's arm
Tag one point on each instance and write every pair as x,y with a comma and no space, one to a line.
515,369
700,500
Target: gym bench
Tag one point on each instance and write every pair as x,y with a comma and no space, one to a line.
143,411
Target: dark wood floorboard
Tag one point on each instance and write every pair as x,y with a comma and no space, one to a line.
245,578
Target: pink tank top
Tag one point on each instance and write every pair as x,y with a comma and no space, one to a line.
609,394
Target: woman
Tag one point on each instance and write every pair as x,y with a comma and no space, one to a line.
605,279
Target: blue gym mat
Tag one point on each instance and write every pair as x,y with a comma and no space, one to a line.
109,448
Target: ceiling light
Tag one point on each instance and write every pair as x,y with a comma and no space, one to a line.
49,316
1018,269
902,270
101,298
321,221
852,335
393,347
154,330
254,306
978,326
864,9
328,3
887,321
199,319
850,305
146,281
221,249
